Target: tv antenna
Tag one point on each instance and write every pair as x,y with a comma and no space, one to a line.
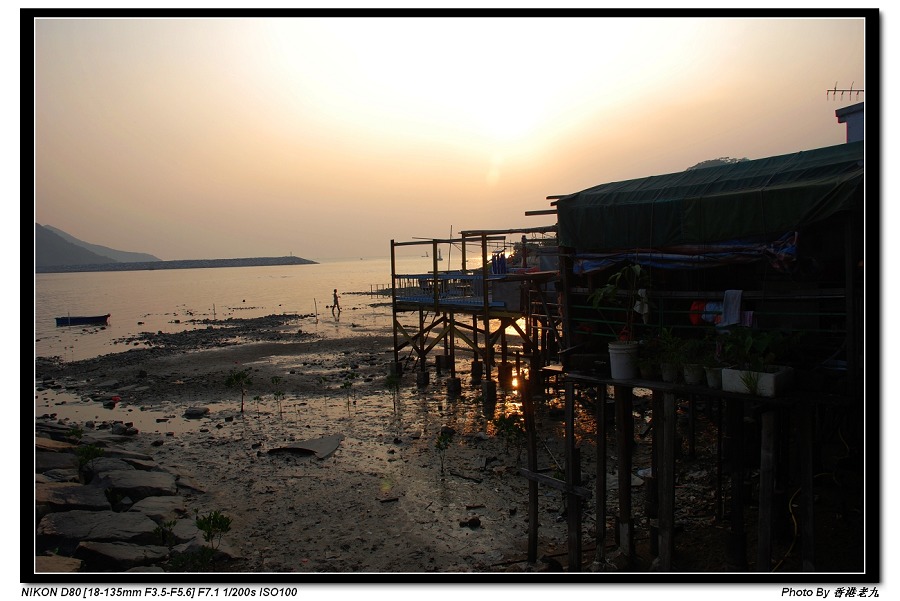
832,93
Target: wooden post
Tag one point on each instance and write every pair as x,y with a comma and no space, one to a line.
667,484
652,483
807,446
531,451
573,478
488,351
734,448
624,444
394,308
600,484
766,489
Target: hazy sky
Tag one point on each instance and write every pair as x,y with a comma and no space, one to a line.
328,137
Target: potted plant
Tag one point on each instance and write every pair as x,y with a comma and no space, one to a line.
670,355
752,355
713,360
691,352
623,289
649,354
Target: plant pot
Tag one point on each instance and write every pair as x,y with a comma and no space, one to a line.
693,373
769,383
623,360
714,377
648,371
669,372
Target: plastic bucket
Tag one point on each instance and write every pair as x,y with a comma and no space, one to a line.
623,360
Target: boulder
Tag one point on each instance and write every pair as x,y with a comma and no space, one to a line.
160,509
137,484
65,496
48,444
64,530
66,475
196,412
49,460
57,563
118,557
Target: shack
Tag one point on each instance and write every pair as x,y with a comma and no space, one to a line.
744,265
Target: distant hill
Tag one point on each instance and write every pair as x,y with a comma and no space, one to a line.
104,251
50,250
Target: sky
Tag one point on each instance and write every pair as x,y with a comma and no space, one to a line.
329,137
326,139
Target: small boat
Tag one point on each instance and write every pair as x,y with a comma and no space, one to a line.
83,320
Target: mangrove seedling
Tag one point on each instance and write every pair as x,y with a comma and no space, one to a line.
278,394
87,454
239,379
442,444
510,428
213,525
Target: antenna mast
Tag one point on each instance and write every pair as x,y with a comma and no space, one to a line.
832,93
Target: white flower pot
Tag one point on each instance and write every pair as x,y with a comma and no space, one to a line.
769,383
623,360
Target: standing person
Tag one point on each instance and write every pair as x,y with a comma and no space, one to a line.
336,304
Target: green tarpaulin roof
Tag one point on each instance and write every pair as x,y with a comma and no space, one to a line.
749,199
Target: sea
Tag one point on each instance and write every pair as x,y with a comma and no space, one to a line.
173,300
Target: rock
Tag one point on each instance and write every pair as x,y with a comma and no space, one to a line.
195,412
160,509
57,563
49,460
472,522
137,484
118,557
98,466
64,530
51,445
61,475
66,496
121,429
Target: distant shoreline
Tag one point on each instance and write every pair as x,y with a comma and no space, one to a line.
182,264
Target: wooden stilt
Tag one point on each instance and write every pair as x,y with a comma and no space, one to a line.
600,484
766,490
624,444
531,451
573,478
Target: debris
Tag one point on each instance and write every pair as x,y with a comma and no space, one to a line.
320,447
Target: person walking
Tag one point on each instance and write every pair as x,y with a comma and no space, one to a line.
336,304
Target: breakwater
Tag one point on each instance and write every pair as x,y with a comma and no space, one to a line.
181,264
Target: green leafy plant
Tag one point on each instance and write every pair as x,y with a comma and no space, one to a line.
442,444
278,394
510,428
166,533
239,379
692,350
753,349
86,455
750,380
213,525
622,289
75,432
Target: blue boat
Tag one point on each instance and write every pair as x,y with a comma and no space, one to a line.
83,320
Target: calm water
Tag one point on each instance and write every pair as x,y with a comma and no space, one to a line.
159,298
